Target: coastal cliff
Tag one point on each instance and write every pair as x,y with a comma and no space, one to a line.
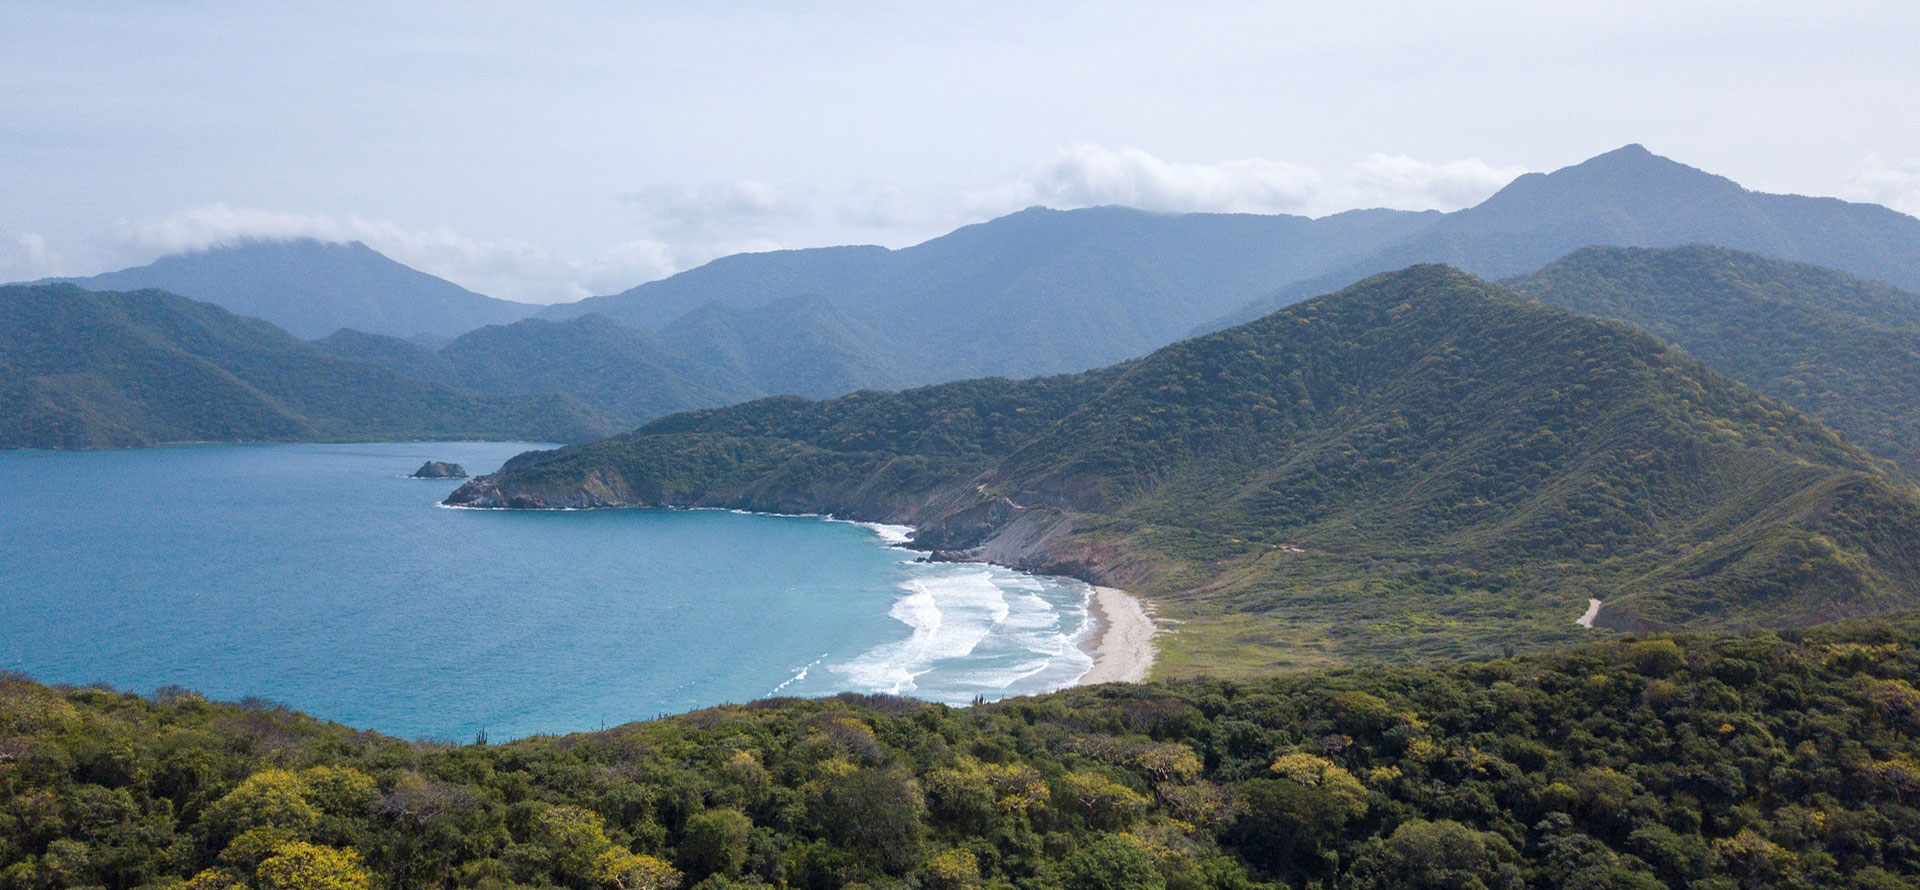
1422,465
952,523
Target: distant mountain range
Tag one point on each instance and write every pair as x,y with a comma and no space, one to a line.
1044,291
1423,464
87,369
1038,292
714,356
313,288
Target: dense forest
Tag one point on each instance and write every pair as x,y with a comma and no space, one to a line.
1422,465
1843,349
88,369
1708,762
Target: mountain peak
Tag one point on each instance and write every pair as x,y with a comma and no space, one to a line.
1633,165
312,288
1632,150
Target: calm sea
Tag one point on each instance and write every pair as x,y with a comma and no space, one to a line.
321,577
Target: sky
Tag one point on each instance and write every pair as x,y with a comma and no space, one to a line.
549,151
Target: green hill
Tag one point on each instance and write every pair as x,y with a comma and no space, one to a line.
1420,465
802,346
87,369
622,372
1756,762
711,356
1843,349
403,356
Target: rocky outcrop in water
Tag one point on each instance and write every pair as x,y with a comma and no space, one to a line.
439,469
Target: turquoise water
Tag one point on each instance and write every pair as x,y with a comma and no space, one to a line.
319,576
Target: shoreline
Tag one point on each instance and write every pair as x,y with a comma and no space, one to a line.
1119,632
1122,641
1120,629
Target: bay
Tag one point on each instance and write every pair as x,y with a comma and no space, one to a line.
321,577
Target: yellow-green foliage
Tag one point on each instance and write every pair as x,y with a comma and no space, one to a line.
623,870
271,798
953,869
575,837
1767,762
1341,788
301,866
1102,802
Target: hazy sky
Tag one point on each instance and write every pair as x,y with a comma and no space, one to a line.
544,151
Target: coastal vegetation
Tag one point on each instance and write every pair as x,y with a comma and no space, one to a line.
1421,466
1700,761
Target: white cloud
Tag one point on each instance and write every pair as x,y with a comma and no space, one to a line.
1083,175
683,226
723,208
508,268
1895,183
1404,183
24,256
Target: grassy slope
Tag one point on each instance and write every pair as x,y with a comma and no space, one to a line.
1423,465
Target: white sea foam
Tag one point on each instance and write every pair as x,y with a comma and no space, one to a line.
894,535
976,630
797,677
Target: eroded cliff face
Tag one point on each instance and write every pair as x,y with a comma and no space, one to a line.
599,491
959,524
439,469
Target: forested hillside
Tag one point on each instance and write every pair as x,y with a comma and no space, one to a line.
1843,349
88,369
624,373
1703,762
1421,465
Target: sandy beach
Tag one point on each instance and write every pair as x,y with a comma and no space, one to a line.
1122,644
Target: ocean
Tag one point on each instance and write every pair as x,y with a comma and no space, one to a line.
322,578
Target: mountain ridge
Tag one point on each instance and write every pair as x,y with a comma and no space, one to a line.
311,288
1631,197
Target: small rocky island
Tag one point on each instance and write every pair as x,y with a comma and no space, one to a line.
438,469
